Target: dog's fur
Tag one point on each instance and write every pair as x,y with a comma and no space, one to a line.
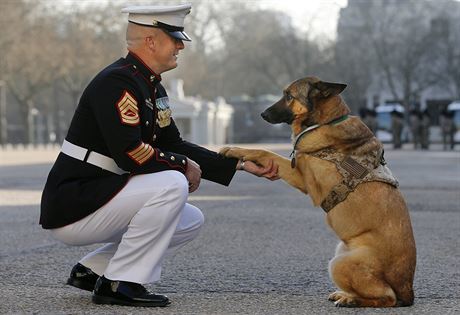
374,263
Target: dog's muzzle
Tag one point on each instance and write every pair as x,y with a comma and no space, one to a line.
277,117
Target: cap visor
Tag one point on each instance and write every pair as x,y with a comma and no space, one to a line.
180,35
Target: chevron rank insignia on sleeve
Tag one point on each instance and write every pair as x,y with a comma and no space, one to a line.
128,110
141,153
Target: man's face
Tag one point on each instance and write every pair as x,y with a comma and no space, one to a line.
166,51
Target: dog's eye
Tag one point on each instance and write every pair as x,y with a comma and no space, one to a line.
288,97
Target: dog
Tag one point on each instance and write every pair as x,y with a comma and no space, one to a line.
339,162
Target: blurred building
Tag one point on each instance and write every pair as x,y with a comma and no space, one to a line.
435,26
248,125
443,22
200,121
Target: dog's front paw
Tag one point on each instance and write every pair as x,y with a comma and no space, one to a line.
334,296
342,299
224,151
233,152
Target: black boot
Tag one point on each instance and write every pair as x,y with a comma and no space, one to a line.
126,293
82,277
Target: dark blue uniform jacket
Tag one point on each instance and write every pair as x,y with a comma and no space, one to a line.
123,114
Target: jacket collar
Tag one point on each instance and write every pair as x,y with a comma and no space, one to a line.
145,70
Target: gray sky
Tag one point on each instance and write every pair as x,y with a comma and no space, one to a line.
317,16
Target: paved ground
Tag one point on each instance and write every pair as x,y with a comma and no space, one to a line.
264,249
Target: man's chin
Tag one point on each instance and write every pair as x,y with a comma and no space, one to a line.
172,66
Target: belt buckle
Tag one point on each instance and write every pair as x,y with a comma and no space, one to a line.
88,152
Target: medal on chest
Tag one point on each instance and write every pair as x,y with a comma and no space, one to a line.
148,102
163,112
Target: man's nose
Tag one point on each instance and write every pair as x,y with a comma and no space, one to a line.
180,44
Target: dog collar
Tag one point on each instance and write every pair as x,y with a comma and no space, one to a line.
307,130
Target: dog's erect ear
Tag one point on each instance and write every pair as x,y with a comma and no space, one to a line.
328,89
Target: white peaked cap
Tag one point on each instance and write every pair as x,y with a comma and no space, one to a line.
167,17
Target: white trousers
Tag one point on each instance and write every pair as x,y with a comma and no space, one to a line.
148,219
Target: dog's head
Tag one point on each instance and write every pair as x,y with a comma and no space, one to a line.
306,102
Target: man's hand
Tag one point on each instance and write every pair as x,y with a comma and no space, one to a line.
270,171
193,175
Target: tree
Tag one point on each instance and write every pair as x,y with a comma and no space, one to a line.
445,55
259,52
402,58
86,44
394,46
354,60
28,64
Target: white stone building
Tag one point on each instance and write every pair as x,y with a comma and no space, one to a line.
200,121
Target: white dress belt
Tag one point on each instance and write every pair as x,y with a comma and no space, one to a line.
91,157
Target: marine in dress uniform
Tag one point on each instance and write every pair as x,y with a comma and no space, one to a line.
119,178
415,117
397,123
448,129
425,122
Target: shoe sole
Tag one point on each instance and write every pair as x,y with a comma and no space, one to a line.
80,284
97,299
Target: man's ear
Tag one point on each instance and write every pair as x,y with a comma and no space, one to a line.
150,43
327,89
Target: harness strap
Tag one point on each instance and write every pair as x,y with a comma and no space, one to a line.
338,194
354,170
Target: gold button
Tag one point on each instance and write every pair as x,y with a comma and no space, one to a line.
183,162
154,137
162,154
147,123
172,158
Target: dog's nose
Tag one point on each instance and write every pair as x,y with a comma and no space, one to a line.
264,116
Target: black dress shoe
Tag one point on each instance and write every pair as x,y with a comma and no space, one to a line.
82,277
126,293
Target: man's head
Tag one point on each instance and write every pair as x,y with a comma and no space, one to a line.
156,34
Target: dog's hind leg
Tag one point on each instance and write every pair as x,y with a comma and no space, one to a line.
401,277
358,274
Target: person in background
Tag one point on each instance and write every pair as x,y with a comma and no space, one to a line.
415,123
397,123
371,120
124,173
369,117
448,129
425,122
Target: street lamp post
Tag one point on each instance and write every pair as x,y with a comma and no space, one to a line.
3,120
32,122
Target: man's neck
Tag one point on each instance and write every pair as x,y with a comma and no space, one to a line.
145,70
144,57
